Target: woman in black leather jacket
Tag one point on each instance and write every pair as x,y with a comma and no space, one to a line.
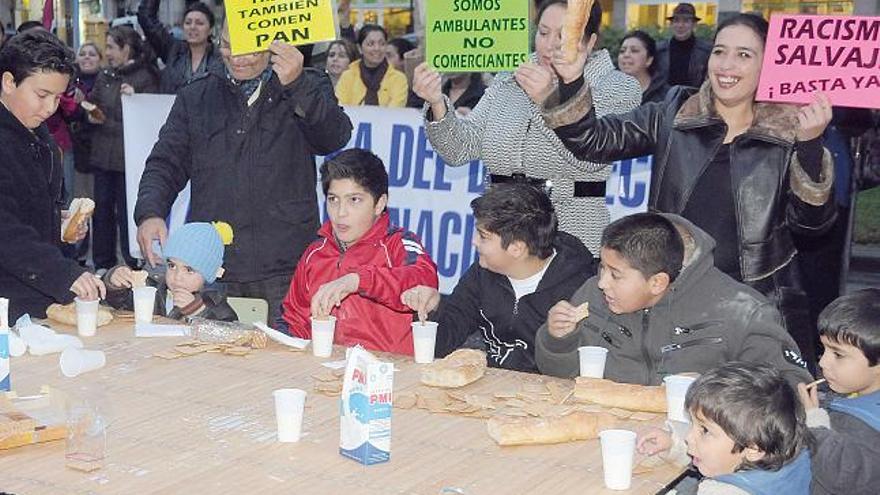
183,59
748,173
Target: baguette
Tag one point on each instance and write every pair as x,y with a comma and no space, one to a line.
623,395
573,30
81,210
66,314
578,425
458,369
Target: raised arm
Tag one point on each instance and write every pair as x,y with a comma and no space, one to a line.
457,139
157,35
570,113
325,125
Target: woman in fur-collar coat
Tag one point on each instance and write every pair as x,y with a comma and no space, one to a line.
748,173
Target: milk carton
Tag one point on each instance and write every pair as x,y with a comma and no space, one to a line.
4,345
365,408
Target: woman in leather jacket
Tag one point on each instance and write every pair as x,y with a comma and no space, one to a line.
748,173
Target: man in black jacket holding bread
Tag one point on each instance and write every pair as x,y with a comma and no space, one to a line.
246,141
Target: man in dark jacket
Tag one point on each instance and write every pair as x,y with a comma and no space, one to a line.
36,69
683,59
525,266
246,142
661,307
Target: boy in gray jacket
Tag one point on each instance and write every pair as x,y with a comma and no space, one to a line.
661,307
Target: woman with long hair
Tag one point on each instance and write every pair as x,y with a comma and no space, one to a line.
130,70
637,57
507,132
183,59
748,173
372,80
340,54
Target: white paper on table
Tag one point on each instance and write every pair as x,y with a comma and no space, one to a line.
282,338
154,330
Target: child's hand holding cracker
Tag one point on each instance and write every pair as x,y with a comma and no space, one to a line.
563,317
653,441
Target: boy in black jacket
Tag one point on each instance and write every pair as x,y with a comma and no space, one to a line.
186,283
525,266
35,68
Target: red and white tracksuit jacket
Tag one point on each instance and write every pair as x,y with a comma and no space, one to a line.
389,260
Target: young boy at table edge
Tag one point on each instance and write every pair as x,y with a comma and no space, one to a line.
525,266
846,458
746,435
361,264
661,307
193,262
35,68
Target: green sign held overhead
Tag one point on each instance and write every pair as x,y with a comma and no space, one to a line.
477,35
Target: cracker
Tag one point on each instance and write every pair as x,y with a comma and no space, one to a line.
168,354
328,388
583,311
535,389
505,395
643,416
139,278
325,376
557,391
619,413
237,351
405,400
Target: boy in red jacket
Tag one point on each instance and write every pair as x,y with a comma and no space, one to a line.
361,264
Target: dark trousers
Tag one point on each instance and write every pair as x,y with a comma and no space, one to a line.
821,263
271,289
110,217
785,290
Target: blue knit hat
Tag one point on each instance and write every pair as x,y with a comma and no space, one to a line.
198,245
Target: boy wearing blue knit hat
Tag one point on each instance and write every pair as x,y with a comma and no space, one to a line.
193,262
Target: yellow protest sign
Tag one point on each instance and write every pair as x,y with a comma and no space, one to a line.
255,24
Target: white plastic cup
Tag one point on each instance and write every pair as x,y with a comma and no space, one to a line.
17,345
322,336
86,317
75,362
289,405
676,390
424,339
144,302
618,448
592,361
53,344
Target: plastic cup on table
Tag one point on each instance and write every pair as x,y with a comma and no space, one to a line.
144,302
75,362
424,339
289,405
676,390
592,361
618,449
322,335
86,317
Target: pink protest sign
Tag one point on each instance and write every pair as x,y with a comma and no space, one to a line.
839,55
